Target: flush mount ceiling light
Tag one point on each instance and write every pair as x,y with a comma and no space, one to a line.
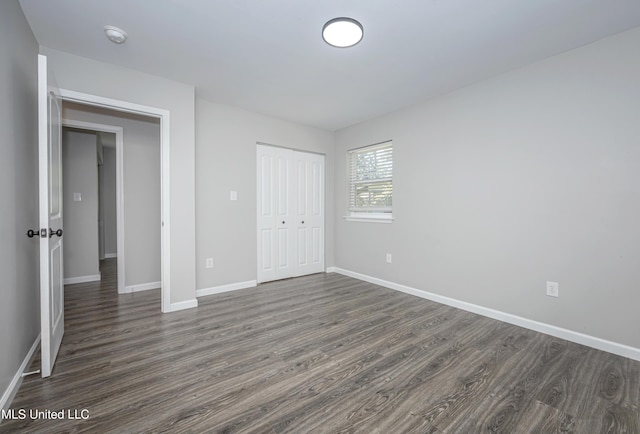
342,32
115,35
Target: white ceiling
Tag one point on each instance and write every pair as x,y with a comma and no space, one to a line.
269,57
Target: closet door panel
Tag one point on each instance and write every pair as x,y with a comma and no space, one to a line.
309,212
274,204
283,191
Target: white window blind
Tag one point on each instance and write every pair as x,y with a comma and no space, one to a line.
371,179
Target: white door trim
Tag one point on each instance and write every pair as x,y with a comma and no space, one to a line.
119,132
165,207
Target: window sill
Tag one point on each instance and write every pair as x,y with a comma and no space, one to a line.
378,218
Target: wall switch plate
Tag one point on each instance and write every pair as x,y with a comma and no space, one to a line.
233,195
389,258
209,263
553,289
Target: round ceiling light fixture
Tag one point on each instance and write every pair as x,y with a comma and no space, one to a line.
115,35
342,32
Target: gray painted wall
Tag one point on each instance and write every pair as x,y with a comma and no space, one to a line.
20,307
97,78
141,136
108,200
226,161
527,177
80,218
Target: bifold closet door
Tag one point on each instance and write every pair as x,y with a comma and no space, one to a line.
309,213
290,201
275,237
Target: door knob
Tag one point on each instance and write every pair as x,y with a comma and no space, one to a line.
302,221
57,233
33,233
282,221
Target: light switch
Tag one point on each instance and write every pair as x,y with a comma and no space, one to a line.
77,197
234,195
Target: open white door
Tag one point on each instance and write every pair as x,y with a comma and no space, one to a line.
50,184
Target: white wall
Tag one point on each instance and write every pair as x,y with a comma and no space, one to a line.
226,161
102,79
19,285
108,200
141,137
527,177
80,218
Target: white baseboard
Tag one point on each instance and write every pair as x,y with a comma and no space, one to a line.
82,279
110,255
331,269
13,387
226,288
182,305
569,335
141,287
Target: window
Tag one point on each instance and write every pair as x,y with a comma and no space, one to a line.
370,179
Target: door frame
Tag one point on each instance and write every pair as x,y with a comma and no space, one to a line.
119,132
165,197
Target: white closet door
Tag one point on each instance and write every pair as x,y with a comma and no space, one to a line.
290,213
275,235
309,212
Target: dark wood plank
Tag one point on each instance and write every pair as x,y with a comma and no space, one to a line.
321,353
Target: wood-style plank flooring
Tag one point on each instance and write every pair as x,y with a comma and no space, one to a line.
323,353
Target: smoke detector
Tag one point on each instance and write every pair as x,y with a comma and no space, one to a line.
115,35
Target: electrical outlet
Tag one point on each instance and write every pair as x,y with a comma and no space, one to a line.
209,263
553,289
388,258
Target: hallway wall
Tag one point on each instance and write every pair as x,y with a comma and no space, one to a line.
19,286
80,206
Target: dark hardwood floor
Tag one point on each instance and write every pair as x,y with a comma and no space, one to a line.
322,353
